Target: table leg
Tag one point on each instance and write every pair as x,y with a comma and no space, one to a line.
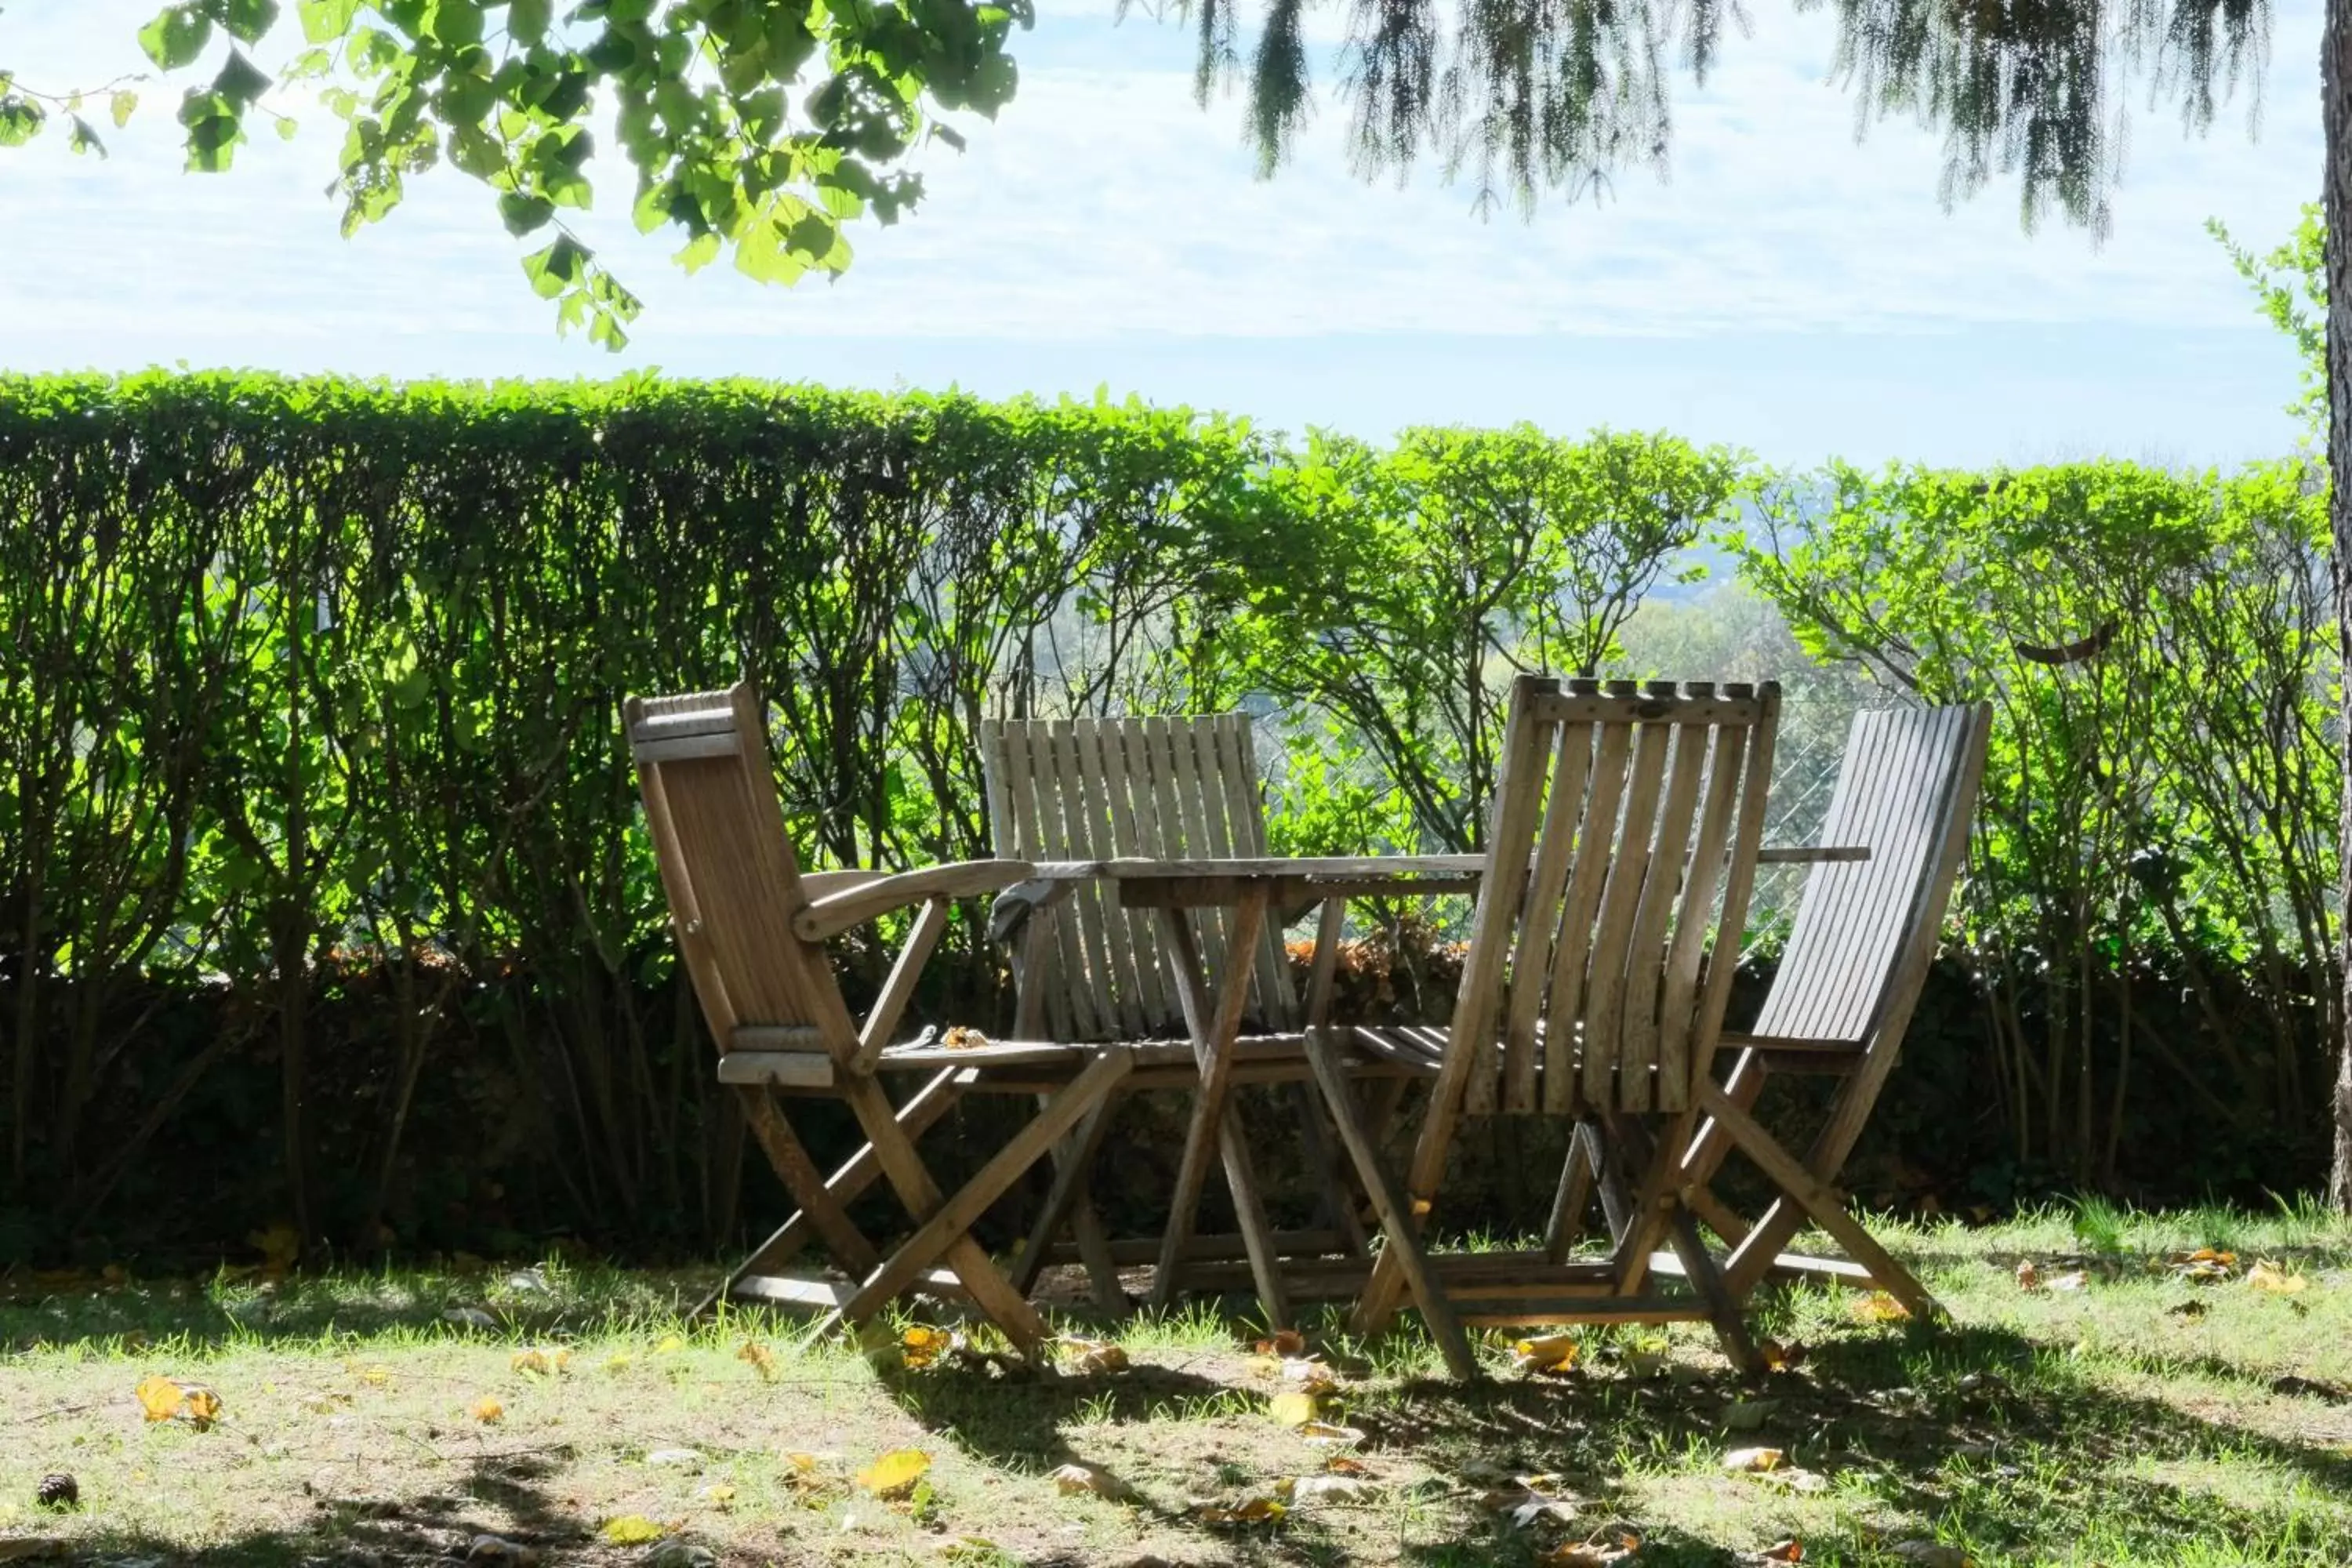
1214,1125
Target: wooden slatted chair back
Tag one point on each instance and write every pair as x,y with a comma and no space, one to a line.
1626,825
734,884
1904,792
1101,789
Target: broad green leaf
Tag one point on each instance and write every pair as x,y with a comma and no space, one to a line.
84,139
555,267
177,37
524,215
325,21
456,23
248,20
240,81
527,20
20,121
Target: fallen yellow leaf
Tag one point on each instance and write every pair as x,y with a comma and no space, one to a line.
895,1472
1551,1355
487,1410
1294,1408
2268,1275
536,1362
721,1494
631,1530
1252,1510
920,1346
670,1344
168,1399
761,1358
1754,1460
1878,1306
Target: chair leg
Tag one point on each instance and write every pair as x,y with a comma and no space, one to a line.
859,1172
1073,1161
1817,1199
1396,1214
790,1160
1568,1204
1722,1311
1335,1208
945,1229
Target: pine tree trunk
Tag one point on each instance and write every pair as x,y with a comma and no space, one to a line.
2335,111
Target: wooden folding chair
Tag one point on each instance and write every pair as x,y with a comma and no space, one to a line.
750,930
1090,969
1620,854
1868,925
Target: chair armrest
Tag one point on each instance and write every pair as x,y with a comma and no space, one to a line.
824,884
1811,854
836,913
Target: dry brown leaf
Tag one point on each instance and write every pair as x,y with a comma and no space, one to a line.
895,1473
1329,1434
2027,1277
1285,1342
1095,1355
1074,1478
1309,1375
1611,1543
1323,1488
1530,1498
963,1038
1342,1465
758,1357
1789,1551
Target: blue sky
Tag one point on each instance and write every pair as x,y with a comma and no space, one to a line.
1788,289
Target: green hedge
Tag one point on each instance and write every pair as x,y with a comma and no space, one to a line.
321,893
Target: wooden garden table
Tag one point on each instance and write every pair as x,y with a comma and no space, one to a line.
1212,1006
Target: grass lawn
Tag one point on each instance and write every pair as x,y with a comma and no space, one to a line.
2135,1416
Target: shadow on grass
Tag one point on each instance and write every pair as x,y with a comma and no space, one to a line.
1979,1436
499,1509
209,1314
